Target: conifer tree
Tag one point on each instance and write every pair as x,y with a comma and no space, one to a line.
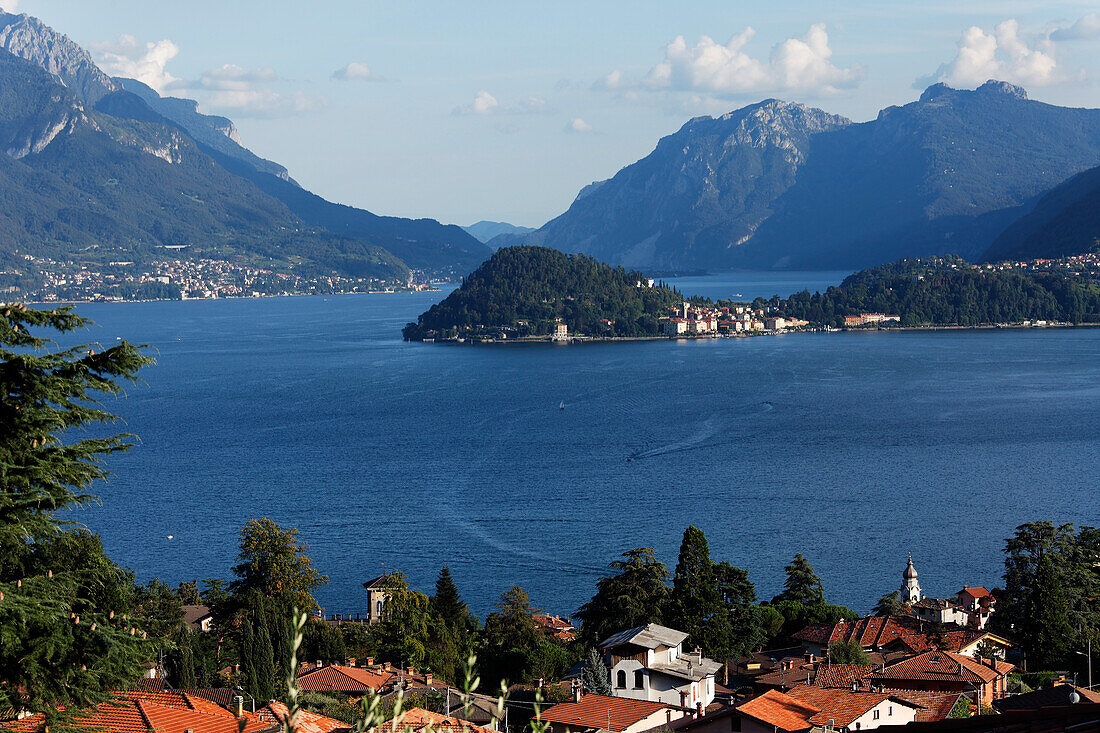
888,605
447,602
1046,631
61,642
694,600
634,595
802,584
263,684
595,677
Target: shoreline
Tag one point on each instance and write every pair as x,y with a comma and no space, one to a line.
580,340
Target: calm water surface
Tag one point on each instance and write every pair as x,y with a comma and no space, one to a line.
853,449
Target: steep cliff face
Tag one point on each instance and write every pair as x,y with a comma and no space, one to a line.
703,191
29,38
781,185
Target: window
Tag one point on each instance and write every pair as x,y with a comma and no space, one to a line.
639,679
889,711
620,679
875,715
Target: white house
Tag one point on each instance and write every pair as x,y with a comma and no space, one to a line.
648,663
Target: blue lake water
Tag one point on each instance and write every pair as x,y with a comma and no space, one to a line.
851,448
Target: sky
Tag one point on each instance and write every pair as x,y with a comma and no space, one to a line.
505,110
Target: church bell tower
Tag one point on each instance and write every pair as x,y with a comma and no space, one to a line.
910,588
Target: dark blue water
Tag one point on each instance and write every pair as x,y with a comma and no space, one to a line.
853,449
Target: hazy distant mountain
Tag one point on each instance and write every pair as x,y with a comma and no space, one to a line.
95,164
1065,221
484,230
777,184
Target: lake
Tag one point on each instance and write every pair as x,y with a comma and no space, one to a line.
851,448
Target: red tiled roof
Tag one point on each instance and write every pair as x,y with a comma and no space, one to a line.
880,631
975,592
780,710
602,711
306,721
934,705
840,706
943,666
842,675
342,679
417,719
164,712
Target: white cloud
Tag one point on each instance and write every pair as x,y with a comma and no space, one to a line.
1085,28
578,125
146,62
355,71
1001,54
797,64
262,103
233,78
486,104
483,104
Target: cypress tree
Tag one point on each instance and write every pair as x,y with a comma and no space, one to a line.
802,584
247,654
264,686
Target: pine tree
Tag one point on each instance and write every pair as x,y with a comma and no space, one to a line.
634,596
888,605
61,641
447,603
802,584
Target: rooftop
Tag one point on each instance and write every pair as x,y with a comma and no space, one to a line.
649,636
602,712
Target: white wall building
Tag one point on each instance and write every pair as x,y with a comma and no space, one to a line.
648,663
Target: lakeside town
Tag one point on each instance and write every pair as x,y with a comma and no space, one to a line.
45,280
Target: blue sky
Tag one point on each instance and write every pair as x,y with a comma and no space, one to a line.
504,110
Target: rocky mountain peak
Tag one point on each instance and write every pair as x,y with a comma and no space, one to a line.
29,38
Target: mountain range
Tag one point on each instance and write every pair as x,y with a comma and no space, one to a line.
484,230
105,168
778,184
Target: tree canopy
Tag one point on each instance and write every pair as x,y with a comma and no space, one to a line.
802,584
66,636
634,595
275,563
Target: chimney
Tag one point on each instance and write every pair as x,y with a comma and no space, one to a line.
427,678
370,661
352,661
320,664
387,666
578,691
411,671
239,699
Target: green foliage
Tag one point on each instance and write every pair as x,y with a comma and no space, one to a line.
324,642
633,596
947,291
447,603
889,605
595,677
694,600
538,285
1052,575
961,709
333,707
63,639
273,562
802,584
797,616
847,652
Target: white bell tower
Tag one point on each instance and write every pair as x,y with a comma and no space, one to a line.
910,588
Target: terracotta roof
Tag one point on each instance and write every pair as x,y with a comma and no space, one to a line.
780,710
307,721
219,695
787,676
842,675
934,705
416,719
165,712
602,712
943,666
338,678
975,592
880,631
1080,718
841,706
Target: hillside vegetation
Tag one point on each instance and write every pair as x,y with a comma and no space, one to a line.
948,291
537,286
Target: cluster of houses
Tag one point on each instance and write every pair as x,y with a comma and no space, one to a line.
921,670
870,319
691,319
